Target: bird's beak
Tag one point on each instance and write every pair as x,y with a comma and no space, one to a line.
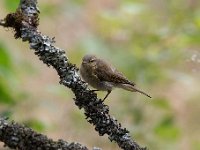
84,62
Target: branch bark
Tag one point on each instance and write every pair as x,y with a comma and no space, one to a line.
25,21
16,136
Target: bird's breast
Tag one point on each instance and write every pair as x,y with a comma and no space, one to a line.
89,77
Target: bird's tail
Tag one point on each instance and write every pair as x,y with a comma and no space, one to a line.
133,89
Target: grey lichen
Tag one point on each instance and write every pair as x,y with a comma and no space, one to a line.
16,136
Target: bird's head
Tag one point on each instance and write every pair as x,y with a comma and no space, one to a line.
89,60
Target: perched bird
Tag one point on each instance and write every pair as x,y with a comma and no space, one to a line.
104,77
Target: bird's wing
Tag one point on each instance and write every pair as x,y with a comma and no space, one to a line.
108,73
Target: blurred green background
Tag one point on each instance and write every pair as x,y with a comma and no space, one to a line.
156,43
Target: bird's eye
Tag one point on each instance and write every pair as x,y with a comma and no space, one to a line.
92,60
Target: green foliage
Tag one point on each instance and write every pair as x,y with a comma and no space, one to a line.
78,2
196,145
6,113
5,67
48,9
35,124
5,96
77,118
11,5
167,130
5,58
138,115
161,103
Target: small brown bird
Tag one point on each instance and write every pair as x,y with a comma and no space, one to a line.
104,77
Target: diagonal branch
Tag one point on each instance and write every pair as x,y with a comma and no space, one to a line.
25,21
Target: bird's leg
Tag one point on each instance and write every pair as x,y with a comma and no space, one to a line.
108,92
94,90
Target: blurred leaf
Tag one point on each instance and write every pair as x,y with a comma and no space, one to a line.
132,8
161,103
79,2
6,113
4,57
5,96
167,130
77,119
35,124
196,145
11,5
197,21
138,115
5,66
48,9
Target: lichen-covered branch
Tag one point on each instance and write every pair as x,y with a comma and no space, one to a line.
25,22
16,136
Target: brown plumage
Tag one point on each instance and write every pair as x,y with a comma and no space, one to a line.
104,77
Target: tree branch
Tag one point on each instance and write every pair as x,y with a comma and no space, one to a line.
25,22
16,136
